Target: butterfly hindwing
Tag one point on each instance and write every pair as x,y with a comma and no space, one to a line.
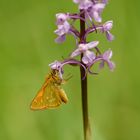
49,96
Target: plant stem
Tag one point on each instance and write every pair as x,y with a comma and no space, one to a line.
84,85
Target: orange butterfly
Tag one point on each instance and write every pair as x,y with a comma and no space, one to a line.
51,95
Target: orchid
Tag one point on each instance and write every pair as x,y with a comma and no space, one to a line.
88,56
90,17
95,11
106,28
62,30
106,58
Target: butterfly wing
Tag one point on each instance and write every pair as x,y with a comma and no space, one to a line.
50,96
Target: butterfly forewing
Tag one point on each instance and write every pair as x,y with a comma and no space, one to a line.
51,96
37,102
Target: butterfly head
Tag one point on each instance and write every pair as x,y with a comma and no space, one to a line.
56,77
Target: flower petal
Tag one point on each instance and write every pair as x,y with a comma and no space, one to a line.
75,53
61,18
106,58
82,47
97,16
60,39
109,36
55,65
99,6
60,31
107,26
96,11
88,57
107,54
92,44
111,65
63,29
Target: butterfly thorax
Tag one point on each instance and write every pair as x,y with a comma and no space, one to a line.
54,78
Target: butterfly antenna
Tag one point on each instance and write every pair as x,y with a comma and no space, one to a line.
69,77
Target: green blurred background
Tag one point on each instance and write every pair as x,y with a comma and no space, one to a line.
27,47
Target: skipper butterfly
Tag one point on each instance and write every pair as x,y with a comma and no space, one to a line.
51,95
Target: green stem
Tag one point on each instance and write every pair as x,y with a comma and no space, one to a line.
84,85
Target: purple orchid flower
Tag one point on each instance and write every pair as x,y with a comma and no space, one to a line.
106,28
88,56
106,58
64,27
93,9
62,30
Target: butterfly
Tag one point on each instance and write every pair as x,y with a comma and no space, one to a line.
51,95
